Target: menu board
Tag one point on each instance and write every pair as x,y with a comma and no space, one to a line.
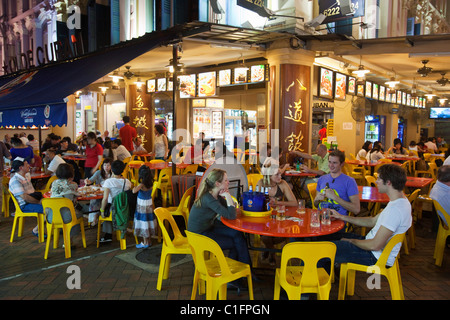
368,89
187,86
257,73
341,86
399,97
404,98
217,129
351,85
360,90
382,95
375,91
326,83
207,84
169,85
240,75
408,99
151,85
161,84
225,77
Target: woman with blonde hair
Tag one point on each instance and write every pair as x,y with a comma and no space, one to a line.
214,201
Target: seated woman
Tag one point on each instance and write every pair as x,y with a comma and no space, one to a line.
214,201
362,154
65,187
397,148
98,178
22,151
279,191
375,154
280,194
112,187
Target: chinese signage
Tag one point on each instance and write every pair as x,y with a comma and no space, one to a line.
294,107
142,117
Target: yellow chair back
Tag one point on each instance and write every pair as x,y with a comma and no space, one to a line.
176,245
192,168
253,179
48,186
307,278
392,273
443,233
55,205
218,270
133,173
371,181
312,192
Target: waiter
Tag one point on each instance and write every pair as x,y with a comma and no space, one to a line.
127,133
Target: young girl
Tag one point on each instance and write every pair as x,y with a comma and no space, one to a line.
144,225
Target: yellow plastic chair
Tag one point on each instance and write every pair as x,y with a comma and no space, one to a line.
56,204
218,270
412,231
312,192
156,171
133,173
347,277
164,183
431,172
48,186
307,278
371,181
421,198
443,233
6,197
183,208
253,179
122,242
19,215
190,169
177,245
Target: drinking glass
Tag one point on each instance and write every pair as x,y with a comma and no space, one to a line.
326,217
315,219
301,206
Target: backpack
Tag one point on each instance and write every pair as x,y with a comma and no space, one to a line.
121,211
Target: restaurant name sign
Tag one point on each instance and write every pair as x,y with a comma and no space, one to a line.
333,11
56,51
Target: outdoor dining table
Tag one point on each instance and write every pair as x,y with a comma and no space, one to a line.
81,197
372,195
293,226
417,182
298,180
74,157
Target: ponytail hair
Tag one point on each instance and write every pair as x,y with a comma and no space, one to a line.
208,183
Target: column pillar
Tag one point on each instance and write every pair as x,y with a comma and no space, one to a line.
290,97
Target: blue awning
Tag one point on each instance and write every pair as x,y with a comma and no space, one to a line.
37,97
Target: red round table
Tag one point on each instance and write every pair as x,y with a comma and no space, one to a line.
267,226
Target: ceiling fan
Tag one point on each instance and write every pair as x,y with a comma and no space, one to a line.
424,71
128,74
443,81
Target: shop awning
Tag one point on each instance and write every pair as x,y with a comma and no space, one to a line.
37,97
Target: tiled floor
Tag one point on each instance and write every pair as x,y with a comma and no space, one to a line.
109,273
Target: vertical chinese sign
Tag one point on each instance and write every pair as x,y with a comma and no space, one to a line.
295,111
141,115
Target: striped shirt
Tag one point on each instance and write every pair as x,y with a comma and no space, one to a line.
19,185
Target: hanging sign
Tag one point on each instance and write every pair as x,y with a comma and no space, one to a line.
332,9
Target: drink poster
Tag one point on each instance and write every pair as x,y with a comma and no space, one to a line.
206,84
341,84
382,95
352,85
225,77
375,91
326,83
368,89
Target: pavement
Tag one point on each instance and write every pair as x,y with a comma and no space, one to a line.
108,273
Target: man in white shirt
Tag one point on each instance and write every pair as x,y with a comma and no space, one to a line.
54,159
138,147
431,145
119,150
394,219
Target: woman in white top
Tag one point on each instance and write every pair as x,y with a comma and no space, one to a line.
375,154
112,187
362,154
161,147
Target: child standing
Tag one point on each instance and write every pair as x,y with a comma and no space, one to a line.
144,225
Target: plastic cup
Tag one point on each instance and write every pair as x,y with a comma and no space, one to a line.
315,219
326,217
301,206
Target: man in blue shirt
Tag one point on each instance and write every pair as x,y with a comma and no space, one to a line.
336,190
441,191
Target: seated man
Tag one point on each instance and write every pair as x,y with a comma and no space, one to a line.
322,163
22,189
138,147
394,219
337,190
119,150
67,146
53,161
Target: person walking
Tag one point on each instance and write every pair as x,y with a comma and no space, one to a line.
127,133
